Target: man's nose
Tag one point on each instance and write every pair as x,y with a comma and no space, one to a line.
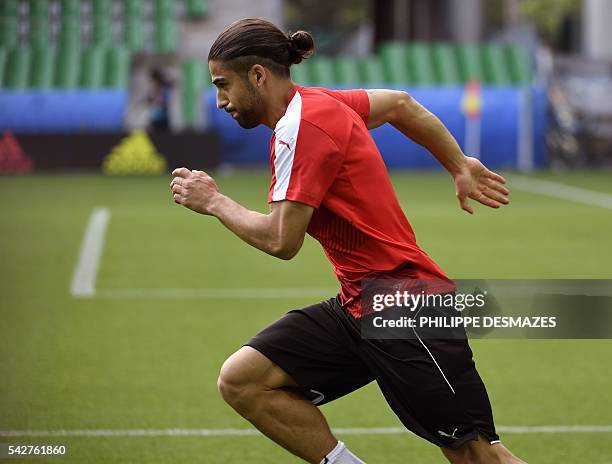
222,102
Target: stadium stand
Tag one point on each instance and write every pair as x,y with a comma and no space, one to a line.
50,47
196,9
17,68
395,61
117,68
372,70
301,73
2,64
78,40
41,68
420,64
445,66
470,65
194,80
322,70
96,23
347,71
67,67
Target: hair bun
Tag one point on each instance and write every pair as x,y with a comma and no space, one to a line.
302,46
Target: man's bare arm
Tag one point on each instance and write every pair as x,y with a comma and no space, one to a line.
279,233
414,120
472,178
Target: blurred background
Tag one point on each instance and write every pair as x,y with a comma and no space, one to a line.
118,307
76,74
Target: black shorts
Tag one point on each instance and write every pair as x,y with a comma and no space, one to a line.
432,385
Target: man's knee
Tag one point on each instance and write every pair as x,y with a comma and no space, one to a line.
246,374
230,388
234,382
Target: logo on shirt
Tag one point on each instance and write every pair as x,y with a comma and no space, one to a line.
282,142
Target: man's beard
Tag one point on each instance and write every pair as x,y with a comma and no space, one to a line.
249,117
246,120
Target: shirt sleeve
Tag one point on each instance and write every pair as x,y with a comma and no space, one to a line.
356,99
305,167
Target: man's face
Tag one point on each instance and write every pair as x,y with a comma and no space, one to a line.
236,95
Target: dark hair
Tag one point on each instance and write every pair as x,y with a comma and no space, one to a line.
257,41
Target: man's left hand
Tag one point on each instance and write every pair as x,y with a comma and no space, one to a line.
475,181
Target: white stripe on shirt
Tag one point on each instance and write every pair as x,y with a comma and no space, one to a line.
286,133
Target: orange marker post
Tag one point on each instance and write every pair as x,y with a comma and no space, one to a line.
471,106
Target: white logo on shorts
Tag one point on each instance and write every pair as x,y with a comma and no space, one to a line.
319,398
452,435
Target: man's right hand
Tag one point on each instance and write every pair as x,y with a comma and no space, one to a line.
195,190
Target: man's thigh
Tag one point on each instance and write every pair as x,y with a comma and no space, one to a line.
434,389
315,348
249,366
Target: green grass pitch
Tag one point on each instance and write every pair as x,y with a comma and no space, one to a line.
142,361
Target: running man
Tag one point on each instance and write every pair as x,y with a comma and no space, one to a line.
329,180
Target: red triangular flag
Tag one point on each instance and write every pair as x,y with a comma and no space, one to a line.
12,157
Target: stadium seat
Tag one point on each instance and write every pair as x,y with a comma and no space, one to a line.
518,64
322,71
101,8
420,64
196,8
395,59
133,33
2,65
101,30
9,8
17,68
101,22
132,8
372,71
70,8
38,25
117,68
193,82
8,31
494,65
66,75
300,73
166,28
446,71
41,74
39,9
347,72
470,67
70,32
92,68
164,8
166,34
38,34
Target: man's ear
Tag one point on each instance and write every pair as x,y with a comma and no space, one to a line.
257,74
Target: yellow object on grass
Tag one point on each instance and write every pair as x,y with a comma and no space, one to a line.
135,155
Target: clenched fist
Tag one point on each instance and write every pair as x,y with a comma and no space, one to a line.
195,190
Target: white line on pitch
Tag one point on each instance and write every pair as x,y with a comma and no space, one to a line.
84,278
223,293
557,190
517,429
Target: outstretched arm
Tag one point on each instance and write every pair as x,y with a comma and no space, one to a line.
279,233
472,178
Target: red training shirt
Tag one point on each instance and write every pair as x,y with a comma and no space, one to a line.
323,155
